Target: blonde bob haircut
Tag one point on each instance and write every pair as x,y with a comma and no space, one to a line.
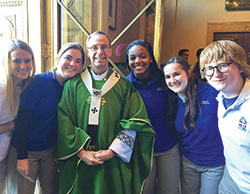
12,90
225,50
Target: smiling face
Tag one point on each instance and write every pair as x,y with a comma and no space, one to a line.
99,52
229,83
21,64
176,78
70,63
139,61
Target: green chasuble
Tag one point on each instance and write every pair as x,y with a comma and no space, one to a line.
121,108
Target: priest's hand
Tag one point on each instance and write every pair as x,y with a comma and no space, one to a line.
104,155
23,167
89,157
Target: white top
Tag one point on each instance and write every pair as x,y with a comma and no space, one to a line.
5,117
99,77
234,126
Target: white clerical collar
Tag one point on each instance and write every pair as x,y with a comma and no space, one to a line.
99,77
96,94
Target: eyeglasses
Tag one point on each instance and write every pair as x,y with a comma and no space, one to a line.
95,48
222,68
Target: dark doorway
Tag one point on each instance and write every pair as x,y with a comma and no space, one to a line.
242,38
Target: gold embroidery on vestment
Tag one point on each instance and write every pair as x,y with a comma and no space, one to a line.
103,101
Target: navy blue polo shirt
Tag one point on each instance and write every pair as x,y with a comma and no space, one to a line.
155,98
203,145
41,98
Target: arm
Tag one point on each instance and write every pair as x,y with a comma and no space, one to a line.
71,123
6,126
139,135
28,101
21,144
123,144
133,116
22,130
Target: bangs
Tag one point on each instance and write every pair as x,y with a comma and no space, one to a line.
215,52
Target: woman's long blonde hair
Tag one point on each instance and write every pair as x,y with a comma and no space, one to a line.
13,91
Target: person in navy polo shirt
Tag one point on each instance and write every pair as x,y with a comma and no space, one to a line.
149,81
31,156
194,109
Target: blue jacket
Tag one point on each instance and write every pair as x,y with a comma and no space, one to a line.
203,145
155,98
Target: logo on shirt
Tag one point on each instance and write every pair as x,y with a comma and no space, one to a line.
159,89
205,102
242,124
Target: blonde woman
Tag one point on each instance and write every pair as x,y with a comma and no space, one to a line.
19,70
31,157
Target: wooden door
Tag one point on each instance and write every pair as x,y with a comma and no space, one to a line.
242,38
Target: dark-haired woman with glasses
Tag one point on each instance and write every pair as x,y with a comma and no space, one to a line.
194,110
